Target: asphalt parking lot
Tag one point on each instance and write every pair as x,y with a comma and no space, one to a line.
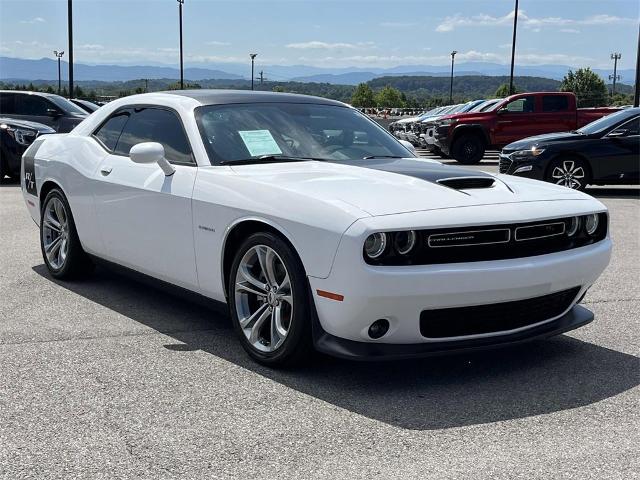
110,378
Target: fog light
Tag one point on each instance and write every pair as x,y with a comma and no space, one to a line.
591,223
379,328
574,224
375,244
526,168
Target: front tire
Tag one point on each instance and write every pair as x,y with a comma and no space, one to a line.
468,149
569,172
61,249
269,301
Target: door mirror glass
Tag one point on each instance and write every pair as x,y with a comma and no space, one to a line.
619,132
151,152
53,112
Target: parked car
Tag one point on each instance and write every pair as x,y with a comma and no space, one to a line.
314,225
85,105
53,110
466,137
15,138
427,125
603,152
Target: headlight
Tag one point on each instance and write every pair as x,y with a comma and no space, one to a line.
529,153
20,135
574,225
591,223
375,245
404,241
447,121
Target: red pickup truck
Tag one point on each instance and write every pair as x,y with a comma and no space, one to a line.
466,136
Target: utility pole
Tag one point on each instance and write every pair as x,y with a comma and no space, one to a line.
59,56
261,77
146,85
513,47
615,57
636,97
253,57
70,29
180,3
453,56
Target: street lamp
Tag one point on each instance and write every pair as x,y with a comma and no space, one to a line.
453,56
180,3
253,56
615,57
58,56
70,31
513,47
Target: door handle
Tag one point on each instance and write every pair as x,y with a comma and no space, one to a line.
105,171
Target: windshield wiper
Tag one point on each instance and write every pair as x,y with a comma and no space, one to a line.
381,156
268,159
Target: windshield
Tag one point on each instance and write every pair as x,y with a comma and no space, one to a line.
484,106
268,131
469,106
604,123
66,105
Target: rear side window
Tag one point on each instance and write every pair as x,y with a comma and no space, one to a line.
32,105
8,103
110,131
522,105
156,125
555,103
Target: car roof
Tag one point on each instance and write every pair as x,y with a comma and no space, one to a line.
29,92
222,97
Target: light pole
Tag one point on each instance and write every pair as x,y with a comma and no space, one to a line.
59,56
70,29
253,56
513,47
180,3
615,57
636,97
453,56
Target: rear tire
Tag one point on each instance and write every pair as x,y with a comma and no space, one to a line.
570,172
468,149
61,248
269,301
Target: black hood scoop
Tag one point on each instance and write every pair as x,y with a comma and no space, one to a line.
448,176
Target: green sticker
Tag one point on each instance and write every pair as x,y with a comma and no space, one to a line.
259,142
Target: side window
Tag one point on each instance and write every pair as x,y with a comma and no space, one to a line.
8,103
555,103
521,105
632,127
110,131
156,125
32,105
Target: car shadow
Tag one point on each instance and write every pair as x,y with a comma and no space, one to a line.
432,393
623,192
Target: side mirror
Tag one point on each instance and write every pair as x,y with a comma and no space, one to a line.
502,111
621,132
53,112
408,145
151,152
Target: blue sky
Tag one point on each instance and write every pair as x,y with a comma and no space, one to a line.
344,33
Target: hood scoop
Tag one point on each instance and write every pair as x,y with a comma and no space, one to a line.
467,183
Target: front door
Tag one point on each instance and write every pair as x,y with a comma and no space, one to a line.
144,216
515,120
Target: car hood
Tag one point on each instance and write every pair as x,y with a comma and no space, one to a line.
546,138
39,127
393,186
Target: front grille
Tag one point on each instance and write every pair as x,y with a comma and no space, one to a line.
504,164
494,318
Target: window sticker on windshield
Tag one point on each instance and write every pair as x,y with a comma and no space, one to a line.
259,142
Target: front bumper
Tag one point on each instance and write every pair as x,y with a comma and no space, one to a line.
522,168
576,317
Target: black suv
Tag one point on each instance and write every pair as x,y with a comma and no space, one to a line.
15,138
53,110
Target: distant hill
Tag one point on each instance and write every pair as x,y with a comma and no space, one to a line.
47,69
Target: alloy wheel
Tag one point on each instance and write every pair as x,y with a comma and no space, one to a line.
263,298
55,233
569,174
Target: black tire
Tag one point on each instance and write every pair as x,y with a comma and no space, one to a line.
468,149
76,263
570,172
297,346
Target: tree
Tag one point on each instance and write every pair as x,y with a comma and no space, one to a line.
389,97
587,85
363,96
503,90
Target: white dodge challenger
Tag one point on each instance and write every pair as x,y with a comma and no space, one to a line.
315,226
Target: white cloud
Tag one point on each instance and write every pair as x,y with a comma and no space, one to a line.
536,24
217,43
317,45
34,21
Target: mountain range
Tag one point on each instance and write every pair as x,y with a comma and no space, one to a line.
13,69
